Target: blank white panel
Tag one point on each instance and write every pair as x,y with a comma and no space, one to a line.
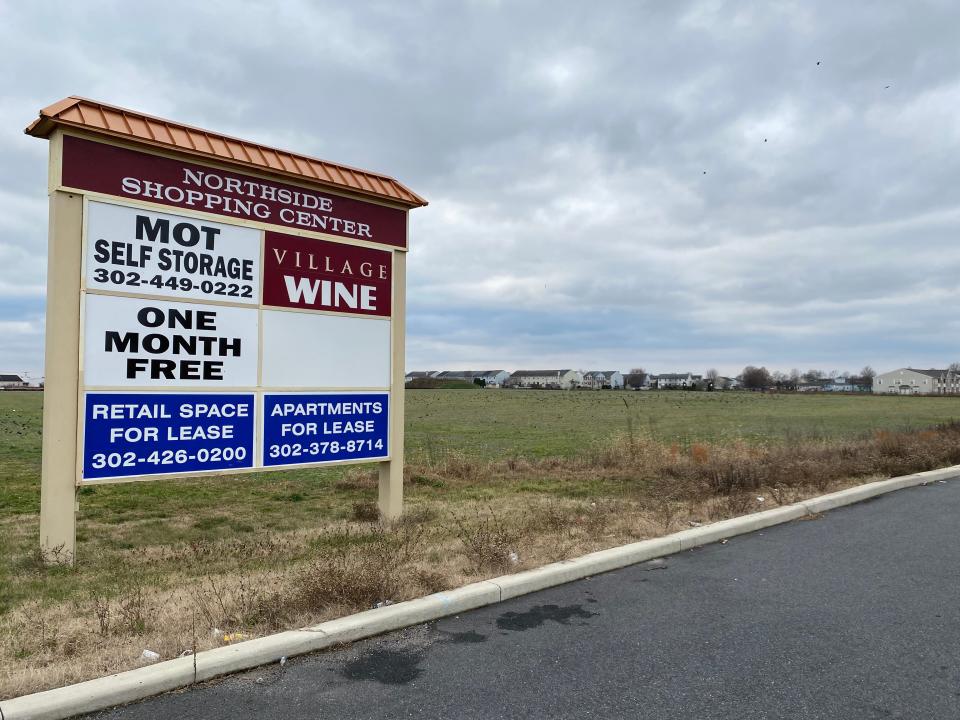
311,350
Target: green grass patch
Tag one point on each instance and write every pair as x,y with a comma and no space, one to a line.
116,521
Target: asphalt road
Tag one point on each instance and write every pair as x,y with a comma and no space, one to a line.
855,614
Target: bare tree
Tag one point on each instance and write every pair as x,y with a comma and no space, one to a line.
812,375
635,379
756,378
868,373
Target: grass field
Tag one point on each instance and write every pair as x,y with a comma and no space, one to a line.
545,423
548,474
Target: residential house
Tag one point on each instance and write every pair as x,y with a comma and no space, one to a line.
861,383
12,381
552,379
493,378
913,381
847,384
600,379
490,378
418,374
671,381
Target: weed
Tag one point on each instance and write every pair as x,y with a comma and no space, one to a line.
432,581
39,633
231,604
732,505
699,453
366,512
103,610
425,481
361,574
133,608
418,515
487,541
665,511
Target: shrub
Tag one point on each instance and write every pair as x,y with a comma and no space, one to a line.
361,573
487,541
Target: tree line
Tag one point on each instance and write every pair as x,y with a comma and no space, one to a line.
755,378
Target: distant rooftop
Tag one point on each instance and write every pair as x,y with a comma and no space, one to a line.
931,373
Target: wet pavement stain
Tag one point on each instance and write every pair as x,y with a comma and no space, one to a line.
539,614
390,667
460,638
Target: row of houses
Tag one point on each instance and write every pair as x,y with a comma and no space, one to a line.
567,379
913,381
902,381
839,384
684,381
563,379
488,378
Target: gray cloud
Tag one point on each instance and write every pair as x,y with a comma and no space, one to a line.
677,185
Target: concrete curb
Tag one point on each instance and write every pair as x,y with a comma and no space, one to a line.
144,682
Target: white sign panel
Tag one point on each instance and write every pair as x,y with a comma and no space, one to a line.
314,350
153,343
135,251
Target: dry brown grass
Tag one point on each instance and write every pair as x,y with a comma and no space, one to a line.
475,520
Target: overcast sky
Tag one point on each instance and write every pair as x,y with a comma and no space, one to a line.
673,185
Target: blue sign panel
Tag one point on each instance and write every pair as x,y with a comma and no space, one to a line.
301,428
129,434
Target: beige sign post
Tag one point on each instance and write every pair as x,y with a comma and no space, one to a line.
214,306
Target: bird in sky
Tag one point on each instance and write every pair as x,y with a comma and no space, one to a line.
819,61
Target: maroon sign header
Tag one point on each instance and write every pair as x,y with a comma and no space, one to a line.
301,272
89,165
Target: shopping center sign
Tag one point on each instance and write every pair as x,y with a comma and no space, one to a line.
214,306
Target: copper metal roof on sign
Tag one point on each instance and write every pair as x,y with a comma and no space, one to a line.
119,122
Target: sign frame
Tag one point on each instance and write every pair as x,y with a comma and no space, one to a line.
64,414
258,390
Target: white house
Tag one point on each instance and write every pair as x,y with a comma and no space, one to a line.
494,378
553,379
911,381
10,380
842,384
417,374
675,380
599,379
